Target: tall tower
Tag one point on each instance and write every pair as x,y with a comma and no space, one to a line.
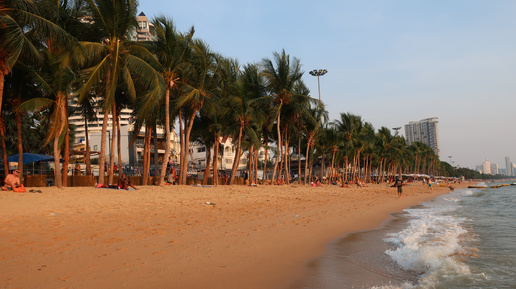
424,131
508,167
486,166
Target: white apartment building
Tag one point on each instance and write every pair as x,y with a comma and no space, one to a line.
226,158
424,131
486,167
509,171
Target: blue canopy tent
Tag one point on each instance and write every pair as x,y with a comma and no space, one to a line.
31,158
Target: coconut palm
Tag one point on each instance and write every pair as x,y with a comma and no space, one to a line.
199,86
172,50
350,126
116,61
19,20
312,129
281,76
240,110
386,147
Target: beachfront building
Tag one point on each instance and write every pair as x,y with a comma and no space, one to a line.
494,169
486,167
508,167
131,152
145,30
227,154
424,131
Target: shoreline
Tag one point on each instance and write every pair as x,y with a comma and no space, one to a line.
169,237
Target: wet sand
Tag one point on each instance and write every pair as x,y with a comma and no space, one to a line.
170,237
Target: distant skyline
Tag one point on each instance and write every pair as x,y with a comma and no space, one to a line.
389,61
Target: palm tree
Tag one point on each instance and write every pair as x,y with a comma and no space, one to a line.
20,19
386,146
312,132
172,50
350,126
199,86
281,77
240,111
116,61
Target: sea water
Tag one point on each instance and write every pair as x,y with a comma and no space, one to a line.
466,239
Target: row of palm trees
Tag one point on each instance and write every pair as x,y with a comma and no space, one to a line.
52,52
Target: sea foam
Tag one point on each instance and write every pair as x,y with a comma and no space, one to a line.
430,245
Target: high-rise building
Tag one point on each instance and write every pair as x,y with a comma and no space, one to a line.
494,169
508,167
424,131
486,167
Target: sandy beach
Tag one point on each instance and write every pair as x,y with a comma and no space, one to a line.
183,236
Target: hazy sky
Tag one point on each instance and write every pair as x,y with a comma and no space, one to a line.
389,61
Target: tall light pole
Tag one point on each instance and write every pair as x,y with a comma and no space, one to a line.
396,129
318,73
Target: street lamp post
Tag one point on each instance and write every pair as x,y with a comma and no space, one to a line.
318,73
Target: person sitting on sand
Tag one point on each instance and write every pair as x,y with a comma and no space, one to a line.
124,183
11,181
318,183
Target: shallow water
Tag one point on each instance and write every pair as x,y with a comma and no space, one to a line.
465,239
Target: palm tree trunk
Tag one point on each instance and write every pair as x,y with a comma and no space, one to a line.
57,164
287,158
207,169
57,133
18,118
256,166
3,72
167,137
146,155
66,153
266,158
87,158
155,144
102,155
182,152
216,160
299,160
279,146
118,141
250,163
307,158
113,139
4,147
236,161
187,144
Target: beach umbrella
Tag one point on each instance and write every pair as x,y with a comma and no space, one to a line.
31,158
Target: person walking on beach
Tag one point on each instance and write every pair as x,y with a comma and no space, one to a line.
399,184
